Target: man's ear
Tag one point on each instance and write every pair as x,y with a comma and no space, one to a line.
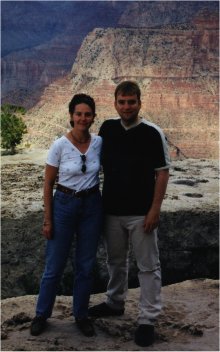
71,123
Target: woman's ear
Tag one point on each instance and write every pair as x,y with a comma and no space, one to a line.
93,119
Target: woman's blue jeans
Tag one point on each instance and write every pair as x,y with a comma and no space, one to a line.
71,216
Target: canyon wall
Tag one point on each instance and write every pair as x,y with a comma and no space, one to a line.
169,48
26,73
40,41
177,71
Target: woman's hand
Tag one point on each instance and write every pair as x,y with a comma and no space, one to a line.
50,177
47,230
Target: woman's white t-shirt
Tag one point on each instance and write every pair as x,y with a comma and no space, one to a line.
64,155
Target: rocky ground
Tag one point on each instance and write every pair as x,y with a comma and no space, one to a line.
190,317
22,182
193,184
188,232
188,322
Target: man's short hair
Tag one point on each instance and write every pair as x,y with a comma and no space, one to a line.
128,88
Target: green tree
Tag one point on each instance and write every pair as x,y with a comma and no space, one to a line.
12,126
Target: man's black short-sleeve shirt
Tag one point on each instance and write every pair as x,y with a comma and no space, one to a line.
130,158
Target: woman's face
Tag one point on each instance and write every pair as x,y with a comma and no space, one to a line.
82,116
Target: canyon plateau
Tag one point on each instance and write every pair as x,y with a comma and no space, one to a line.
188,322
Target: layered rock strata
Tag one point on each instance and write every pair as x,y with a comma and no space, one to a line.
177,70
178,74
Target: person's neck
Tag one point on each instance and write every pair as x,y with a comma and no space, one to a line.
129,124
80,137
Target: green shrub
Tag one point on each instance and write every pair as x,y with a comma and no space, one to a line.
12,126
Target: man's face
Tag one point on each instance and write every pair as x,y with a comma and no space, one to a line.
128,107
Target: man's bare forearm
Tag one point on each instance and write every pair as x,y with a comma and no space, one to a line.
151,219
162,177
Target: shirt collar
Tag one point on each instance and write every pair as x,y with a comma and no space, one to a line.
136,123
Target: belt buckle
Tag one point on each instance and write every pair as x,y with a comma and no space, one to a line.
82,193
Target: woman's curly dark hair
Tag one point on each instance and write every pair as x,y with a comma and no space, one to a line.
80,99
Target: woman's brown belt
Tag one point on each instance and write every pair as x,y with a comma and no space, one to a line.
78,194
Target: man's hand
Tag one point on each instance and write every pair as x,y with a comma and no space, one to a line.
151,220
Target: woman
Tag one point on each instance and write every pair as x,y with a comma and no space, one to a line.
74,209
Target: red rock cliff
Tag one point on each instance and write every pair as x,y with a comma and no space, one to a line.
176,67
178,73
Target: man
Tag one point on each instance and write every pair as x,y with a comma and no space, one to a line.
136,170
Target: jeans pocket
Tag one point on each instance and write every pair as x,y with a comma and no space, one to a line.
62,198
